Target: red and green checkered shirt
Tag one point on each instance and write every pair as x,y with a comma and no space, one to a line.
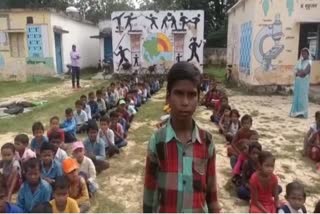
180,177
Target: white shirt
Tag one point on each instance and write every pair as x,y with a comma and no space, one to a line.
88,167
28,153
314,127
234,127
107,138
60,155
88,111
75,59
291,210
81,118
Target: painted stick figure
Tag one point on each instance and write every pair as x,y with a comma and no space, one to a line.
165,20
122,56
153,21
173,22
195,21
129,19
118,19
183,20
136,58
193,47
178,58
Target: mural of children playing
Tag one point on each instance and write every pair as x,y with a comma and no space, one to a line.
153,21
118,19
173,21
178,58
165,20
122,56
193,47
195,21
136,60
183,20
129,19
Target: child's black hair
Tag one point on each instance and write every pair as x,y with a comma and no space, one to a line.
183,71
317,114
235,111
105,118
255,145
295,185
47,146
54,118
92,125
246,117
83,96
114,114
78,103
32,163
61,182
37,126
99,92
264,155
68,111
8,146
91,94
44,207
22,138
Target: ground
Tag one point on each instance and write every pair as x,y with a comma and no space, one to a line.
121,186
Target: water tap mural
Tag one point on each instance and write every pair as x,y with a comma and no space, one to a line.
266,6
245,47
290,7
265,57
147,38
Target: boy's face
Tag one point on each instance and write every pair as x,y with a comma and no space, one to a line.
38,133
183,99
78,108
54,124
60,196
91,98
234,118
56,143
254,138
84,99
7,155
296,199
69,116
33,175
267,166
3,201
92,134
104,125
254,153
246,124
114,120
99,96
78,154
46,157
73,176
19,146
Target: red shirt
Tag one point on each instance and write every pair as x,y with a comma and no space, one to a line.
60,131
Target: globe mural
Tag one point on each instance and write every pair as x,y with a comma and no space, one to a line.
157,48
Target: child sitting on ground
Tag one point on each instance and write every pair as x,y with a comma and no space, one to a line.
101,103
93,106
34,190
312,138
55,127
107,135
296,197
61,202
78,189
264,186
217,113
69,127
234,125
39,137
212,98
85,106
117,128
95,147
243,156
11,169
225,121
122,108
248,168
86,167
50,168
23,153
56,141
81,118
5,205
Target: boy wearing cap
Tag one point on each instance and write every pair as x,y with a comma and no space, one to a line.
86,166
5,206
78,189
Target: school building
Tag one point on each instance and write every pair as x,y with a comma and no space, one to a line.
265,38
38,42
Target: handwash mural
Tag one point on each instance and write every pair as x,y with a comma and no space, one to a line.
148,38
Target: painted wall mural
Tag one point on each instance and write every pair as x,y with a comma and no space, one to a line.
1,61
146,38
266,57
245,47
265,6
4,41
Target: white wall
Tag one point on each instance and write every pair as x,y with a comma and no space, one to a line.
165,49
79,34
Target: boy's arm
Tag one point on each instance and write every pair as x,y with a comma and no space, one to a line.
84,198
276,194
21,199
71,127
211,194
102,151
150,179
13,181
92,171
221,126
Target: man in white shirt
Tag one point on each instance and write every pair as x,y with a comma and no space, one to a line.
75,66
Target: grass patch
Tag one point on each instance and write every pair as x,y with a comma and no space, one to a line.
216,72
11,88
150,111
141,134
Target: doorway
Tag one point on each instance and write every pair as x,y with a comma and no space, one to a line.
108,48
58,46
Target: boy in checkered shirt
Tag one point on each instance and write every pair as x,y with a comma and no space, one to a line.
180,171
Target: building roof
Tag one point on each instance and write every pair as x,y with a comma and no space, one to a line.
235,6
49,10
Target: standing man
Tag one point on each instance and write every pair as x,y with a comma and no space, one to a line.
75,66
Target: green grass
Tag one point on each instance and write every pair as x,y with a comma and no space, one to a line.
216,72
11,88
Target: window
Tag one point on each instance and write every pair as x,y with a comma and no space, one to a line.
310,38
29,20
17,44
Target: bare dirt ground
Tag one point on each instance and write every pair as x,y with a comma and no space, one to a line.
122,184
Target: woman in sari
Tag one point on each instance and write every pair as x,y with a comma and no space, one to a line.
300,102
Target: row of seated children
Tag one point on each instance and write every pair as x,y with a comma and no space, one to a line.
252,168
312,141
